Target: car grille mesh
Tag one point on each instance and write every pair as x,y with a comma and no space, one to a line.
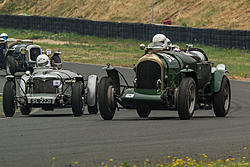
34,53
148,72
41,85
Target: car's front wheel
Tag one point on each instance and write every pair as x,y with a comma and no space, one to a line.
222,99
107,102
77,101
186,98
9,95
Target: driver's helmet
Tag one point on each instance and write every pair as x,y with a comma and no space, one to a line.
4,36
42,61
161,40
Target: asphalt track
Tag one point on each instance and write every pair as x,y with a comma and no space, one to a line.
33,140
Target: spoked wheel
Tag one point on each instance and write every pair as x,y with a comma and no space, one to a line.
186,98
107,102
222,99
143,111
77,101
9,95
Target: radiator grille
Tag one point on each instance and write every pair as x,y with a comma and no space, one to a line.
41,85
34,53
148,72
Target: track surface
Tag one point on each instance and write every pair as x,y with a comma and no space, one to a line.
33,140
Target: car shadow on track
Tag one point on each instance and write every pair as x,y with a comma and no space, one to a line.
53,115
162,118
49,115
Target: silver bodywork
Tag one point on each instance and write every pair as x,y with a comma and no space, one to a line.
47,86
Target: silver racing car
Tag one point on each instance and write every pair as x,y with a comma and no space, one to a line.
49,88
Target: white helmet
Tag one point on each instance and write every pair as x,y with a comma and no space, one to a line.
4,36
42,61
161,40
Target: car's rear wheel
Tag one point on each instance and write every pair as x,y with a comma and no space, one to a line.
10,65
107,102
25,110
186,98
143,111
9,94
222,99
77,101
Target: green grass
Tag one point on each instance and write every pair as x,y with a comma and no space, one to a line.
124,52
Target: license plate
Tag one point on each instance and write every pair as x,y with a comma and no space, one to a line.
129,95
41,101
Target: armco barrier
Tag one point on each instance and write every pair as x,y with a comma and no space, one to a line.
215,37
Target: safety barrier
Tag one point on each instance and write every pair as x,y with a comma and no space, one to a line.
214,37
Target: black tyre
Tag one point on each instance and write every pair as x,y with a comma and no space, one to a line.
55,59
93,109
186,98
77,102
25,110
11,66
143,111
9,94
222,99
107,102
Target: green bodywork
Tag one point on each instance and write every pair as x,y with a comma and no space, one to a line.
216,80
177,65
142,96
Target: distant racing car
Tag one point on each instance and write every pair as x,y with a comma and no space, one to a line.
20,55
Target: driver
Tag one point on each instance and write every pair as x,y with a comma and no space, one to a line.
160,40
42,61
4,36
3,45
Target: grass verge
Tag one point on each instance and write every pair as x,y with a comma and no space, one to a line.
123,52
170,161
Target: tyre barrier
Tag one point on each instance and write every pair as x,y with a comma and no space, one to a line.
214,37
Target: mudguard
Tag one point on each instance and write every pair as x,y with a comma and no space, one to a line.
22,84
92,90
113,74
217,76
10,78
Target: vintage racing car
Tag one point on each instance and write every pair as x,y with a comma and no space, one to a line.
49,88
167,78
21,55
